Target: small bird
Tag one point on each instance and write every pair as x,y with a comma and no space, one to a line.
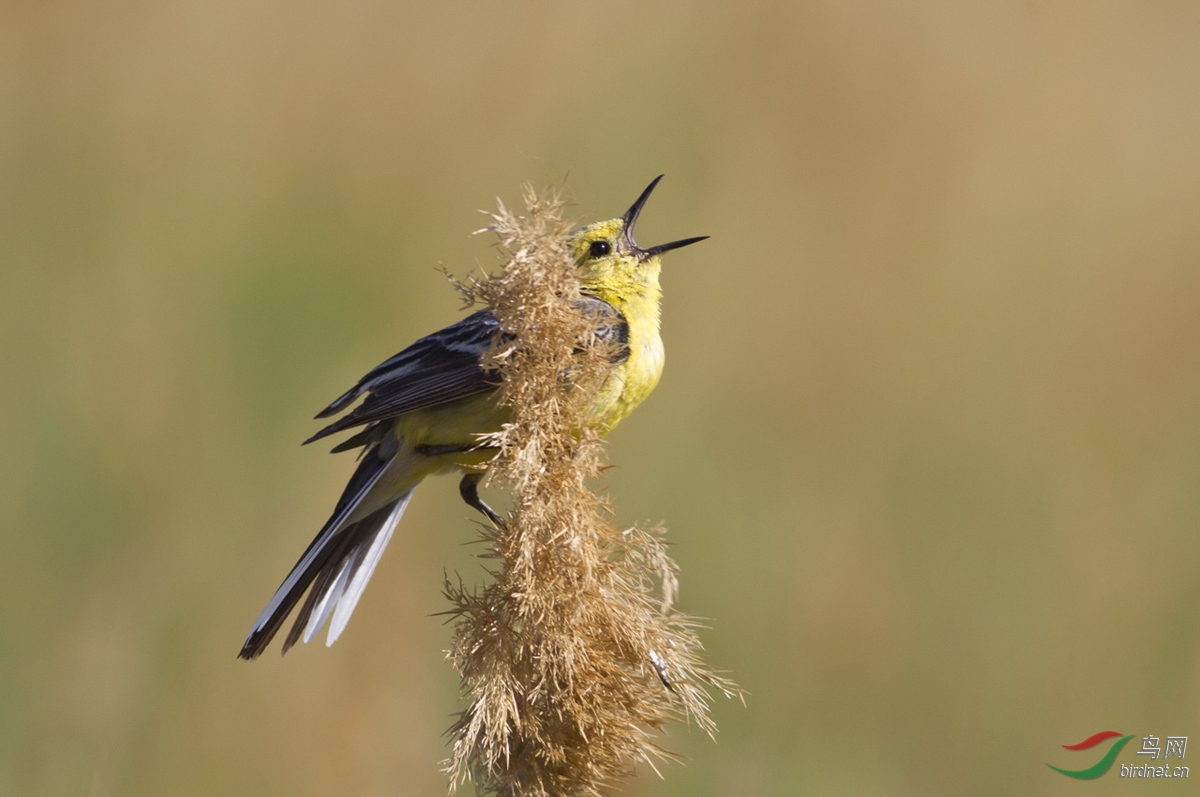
424,412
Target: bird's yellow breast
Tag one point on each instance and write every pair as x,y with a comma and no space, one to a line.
633,380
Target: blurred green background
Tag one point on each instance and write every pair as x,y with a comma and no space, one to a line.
928,441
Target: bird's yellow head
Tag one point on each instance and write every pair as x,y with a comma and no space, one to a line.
615,268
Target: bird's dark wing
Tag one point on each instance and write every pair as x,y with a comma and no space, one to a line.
611,327
445,367
436,369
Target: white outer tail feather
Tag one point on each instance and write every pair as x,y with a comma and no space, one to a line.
301,567
354,590
324,607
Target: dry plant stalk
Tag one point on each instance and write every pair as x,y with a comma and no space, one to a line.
565,653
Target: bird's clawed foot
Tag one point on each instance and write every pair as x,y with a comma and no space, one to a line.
469,489
660,667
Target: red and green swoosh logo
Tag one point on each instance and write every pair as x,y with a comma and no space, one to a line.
1101,766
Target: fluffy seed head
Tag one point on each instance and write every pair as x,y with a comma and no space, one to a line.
565,654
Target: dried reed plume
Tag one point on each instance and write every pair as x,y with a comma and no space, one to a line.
567,654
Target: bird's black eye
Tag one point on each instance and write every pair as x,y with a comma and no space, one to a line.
599,248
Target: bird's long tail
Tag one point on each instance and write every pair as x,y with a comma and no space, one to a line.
338,563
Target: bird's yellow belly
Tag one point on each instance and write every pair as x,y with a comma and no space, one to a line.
631,382
450,426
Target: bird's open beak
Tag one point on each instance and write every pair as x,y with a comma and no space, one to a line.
631,217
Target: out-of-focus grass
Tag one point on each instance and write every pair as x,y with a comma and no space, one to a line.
927,438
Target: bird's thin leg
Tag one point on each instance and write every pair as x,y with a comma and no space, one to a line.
469,489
